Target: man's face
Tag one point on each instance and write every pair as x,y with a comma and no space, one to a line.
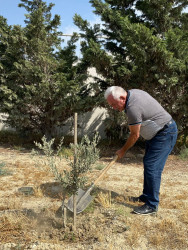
117,104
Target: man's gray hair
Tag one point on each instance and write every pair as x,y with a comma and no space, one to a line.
115,91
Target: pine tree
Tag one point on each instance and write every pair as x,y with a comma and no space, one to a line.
41,84
4,30
142,44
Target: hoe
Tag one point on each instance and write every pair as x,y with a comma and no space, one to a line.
83,198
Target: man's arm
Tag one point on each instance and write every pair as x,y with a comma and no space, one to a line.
133,137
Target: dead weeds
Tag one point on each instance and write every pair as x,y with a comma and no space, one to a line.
107,223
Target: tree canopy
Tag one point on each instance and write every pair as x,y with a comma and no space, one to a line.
142,44
41,83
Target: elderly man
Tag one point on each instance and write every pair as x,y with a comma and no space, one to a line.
146,117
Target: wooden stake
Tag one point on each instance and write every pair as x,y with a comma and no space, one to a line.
75,159
65,217
74,210
75,128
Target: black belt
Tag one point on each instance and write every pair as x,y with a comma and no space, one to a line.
168,123
166,126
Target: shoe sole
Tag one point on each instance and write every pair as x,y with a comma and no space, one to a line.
152,213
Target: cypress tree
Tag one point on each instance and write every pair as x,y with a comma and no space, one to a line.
41,83
142,44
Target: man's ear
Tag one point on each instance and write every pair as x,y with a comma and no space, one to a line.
122,98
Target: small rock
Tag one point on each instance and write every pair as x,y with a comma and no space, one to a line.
26,190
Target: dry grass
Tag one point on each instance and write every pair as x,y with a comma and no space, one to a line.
166,225
104,199
12,227
159,234
184,216
169,234
38,192
133,237
177,201
134,233
122,211
115,178
168,230
106,177
11,203
156,239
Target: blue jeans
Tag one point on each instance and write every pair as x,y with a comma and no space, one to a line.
156,154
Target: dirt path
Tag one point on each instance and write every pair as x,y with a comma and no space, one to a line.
35,221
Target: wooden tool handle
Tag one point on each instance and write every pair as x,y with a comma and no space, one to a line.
106,169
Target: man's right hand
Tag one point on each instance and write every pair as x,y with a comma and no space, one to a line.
120,153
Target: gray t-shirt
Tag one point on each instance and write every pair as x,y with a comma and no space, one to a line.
141,108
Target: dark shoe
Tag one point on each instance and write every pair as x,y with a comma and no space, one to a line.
141,198
145,209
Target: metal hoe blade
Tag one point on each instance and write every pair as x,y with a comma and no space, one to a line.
83,199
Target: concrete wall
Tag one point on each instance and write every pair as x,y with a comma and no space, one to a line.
2,125
88,123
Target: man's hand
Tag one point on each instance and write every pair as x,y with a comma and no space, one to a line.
120,153
134,135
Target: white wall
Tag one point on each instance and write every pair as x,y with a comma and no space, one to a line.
2,125
88,123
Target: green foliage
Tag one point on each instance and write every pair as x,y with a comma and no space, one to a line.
115,126
90,209
17,140
141,44
9,137
66,152
99,167
85,155
122,211
184,154
41,84
182,142
3,169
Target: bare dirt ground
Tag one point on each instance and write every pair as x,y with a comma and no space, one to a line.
35,221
